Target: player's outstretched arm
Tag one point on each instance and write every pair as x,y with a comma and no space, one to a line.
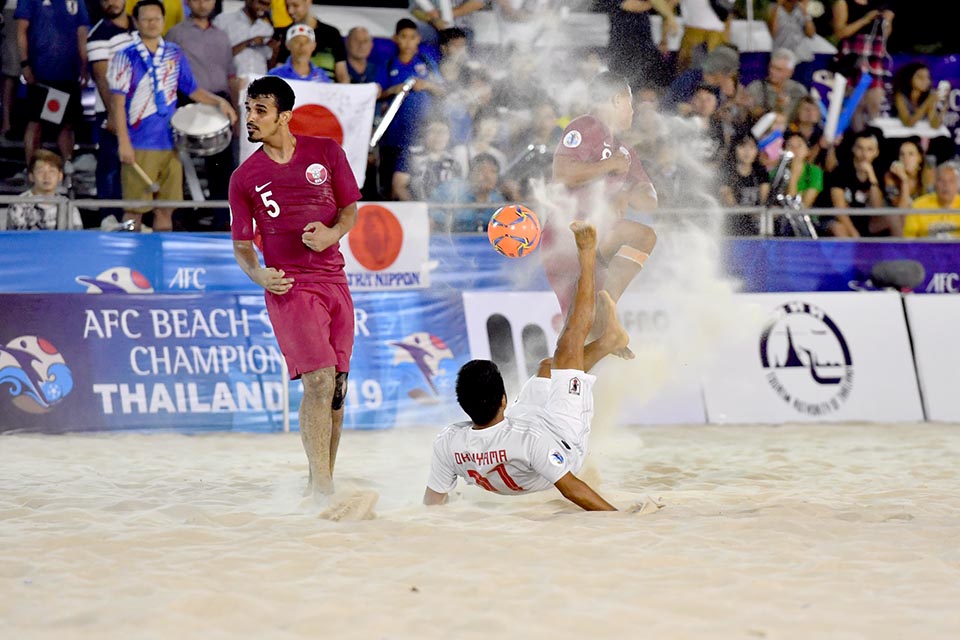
579,493
431,497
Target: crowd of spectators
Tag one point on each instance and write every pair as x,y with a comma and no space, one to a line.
480,124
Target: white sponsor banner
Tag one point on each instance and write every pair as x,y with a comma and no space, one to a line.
815,357
343,112
389,247
933,325
518,329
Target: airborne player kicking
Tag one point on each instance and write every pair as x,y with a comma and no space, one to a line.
606,178
542,439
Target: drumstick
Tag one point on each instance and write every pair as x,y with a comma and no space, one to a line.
154,186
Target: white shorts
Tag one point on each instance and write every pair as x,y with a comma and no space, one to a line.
564,402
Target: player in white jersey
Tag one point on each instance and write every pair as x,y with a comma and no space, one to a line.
542,439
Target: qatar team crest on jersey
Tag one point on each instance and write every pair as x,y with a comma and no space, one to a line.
317,174
573,139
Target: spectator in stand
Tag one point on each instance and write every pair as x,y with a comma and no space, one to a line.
479,188
172,13
299,66
702,27
777,92
856,187
908,177
719,69
744,183
805,120
211,60
10,57
862,28
915,101
631,49
945,196
428,12
542,128
464,103
251,36
792,28
359,44
454,56
144,79
111,34
330,54
52,43
46,175
422,169
806,178
486,132
408,63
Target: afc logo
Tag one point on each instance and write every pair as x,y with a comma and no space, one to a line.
188,278
943,283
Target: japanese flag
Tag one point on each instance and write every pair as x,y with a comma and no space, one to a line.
55,105
343,112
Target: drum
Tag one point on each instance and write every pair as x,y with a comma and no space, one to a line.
201,129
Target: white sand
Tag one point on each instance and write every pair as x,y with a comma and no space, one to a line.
789,532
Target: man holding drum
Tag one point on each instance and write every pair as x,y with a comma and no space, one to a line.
144,79
303,196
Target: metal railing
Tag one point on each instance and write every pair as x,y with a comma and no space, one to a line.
64,205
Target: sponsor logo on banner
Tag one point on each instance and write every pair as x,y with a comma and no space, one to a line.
342,112
944,283
117,280
426,351
33,374
806,359
388,247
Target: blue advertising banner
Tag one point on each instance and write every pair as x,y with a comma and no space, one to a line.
84,261
210,362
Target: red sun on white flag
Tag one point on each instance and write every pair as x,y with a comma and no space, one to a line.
316,120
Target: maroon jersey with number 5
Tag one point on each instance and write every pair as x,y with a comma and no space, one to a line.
284,198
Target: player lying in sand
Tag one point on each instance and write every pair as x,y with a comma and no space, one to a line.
542,439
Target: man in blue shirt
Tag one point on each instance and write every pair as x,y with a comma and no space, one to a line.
409,62
144,79
52,41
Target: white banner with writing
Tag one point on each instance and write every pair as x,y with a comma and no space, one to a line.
343,112
933,325
661,386
815,357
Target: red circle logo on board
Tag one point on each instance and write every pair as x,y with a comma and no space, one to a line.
53,106
316,120
376,238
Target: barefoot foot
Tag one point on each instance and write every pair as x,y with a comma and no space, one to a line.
585,234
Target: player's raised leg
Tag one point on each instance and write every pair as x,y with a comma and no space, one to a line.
316,427
569,351
625,249
613,340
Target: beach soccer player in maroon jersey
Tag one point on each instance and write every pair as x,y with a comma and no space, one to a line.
606,178
303,196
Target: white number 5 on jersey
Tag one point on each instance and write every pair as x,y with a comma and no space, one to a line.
273,209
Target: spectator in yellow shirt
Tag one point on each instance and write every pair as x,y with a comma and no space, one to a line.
946,195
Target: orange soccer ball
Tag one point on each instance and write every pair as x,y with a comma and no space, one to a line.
514,231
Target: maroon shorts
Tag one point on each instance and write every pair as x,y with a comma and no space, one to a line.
314,326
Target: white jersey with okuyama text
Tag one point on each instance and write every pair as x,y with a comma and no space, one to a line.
517,455
542,437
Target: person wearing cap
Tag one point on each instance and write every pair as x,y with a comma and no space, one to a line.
720,69
329,54
301,43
